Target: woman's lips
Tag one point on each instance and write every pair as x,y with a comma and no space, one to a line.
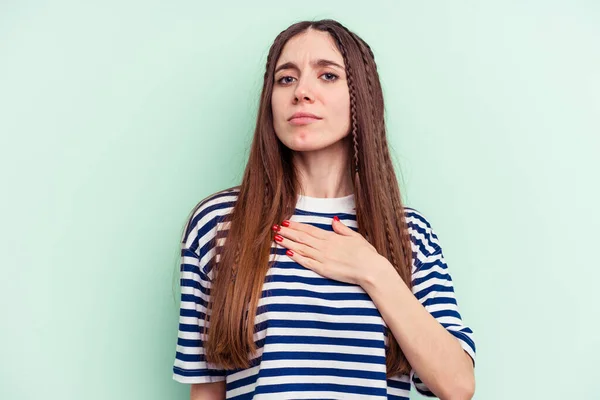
303,120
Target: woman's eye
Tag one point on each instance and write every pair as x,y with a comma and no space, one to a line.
329,77
282,79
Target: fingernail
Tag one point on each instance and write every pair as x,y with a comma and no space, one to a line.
336,218
278,238
285,223
289,253
276,228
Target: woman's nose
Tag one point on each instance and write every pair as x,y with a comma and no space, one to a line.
303,92
303,97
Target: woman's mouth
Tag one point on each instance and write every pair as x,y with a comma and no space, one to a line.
303,120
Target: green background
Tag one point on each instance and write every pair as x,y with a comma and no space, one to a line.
116,117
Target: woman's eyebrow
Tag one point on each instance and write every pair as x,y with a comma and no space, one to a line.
315,63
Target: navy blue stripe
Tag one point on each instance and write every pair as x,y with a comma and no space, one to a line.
191,357
189,328
308,281
315,371
205,210
432,275
249,380
193,299
430,264
439,300
341,215
198,372
332,326
284,264
316,295
428,235
191,313
445,313
465,338
433,288
317,309
398,384
319,387
194,284
189,342
332,341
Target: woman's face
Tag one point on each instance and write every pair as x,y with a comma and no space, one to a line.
308,80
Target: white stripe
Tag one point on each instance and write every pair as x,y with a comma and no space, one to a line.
442,307
195,292
312,288
340,380
309,332
430,282
302,316
190,350
191,365
245,374
427,258
346,365
188,305
191,321
242,390
323,348
422,273
398,392
421,238
315,301
448,320
197,379
322,220
189,335
304,273
311,395
190,275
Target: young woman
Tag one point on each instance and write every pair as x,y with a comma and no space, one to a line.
313,279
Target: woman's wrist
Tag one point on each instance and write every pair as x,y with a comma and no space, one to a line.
378,272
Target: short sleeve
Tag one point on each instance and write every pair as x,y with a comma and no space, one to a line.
432,286
190,365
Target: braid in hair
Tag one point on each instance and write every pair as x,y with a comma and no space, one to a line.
382,146
397,205
377,133
352,91
235,263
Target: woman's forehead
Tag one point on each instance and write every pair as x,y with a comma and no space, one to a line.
310,46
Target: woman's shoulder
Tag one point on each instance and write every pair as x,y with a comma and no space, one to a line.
209,212
423,237
415,217
221,200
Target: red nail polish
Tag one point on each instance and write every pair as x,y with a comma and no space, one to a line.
336,218
289,253
285,223
276,228
278,238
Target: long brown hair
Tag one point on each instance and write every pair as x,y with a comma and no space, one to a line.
267,195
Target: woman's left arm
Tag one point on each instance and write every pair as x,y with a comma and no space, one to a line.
440,362
434,353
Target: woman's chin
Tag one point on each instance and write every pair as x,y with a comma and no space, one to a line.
307,140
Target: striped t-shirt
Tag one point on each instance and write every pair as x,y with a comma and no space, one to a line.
317,338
